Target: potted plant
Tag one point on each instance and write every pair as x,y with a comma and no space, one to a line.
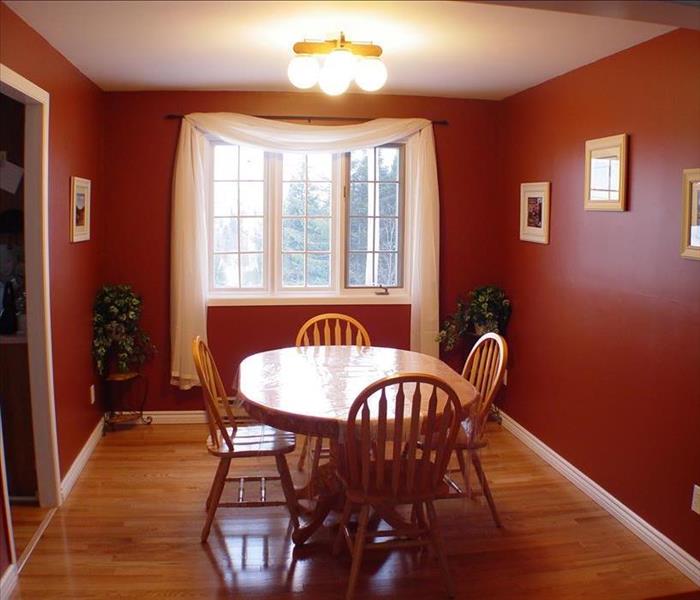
119,345
488,309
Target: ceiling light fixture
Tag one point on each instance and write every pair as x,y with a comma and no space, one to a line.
343,61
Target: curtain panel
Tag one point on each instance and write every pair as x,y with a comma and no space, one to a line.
189,259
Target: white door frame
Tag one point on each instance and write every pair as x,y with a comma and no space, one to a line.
36,238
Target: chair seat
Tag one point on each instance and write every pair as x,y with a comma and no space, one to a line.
462,442
374,494
253,440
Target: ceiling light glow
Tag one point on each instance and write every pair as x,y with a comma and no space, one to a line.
371,74
303,71
343,61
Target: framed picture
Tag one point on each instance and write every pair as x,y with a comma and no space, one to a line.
606,173
690,234
534,212
79,209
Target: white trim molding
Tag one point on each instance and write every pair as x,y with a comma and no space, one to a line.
8,581
174,417
81,460
36,234
672,552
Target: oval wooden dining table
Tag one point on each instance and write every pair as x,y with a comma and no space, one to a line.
309,390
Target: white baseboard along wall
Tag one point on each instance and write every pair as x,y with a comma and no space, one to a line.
672,552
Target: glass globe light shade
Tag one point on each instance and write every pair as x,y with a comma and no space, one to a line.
337,72
371,74
303,71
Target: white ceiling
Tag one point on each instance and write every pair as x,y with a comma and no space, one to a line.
454,49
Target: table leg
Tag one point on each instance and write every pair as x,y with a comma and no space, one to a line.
328,493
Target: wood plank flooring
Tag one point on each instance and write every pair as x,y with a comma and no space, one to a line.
130,530
26,519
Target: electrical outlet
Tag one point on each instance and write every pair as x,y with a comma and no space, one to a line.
92,394
695,504
505,377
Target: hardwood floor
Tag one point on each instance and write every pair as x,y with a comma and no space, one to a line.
26,520
130,530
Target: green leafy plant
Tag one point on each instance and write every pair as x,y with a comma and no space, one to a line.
488,309
117,336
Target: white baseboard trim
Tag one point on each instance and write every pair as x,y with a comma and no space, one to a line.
80,461
8,581
679,558
172,417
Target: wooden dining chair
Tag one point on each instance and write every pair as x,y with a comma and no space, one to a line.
227,441
328,329
384,467
484,369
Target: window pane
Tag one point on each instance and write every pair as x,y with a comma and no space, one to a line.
361,199
319,199
387,273
293,167
225,235
252,163
362,165
293,199
251,198
251,234
225,162
388,164
292,270
388,234
318,270
226,270
251,270
388,199
360,269
225,199
361,234
292,234
320,167
318,234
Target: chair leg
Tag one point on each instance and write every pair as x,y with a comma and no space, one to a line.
302,456
288,489
476,461
464,467
357,551
439,548
340,537
217,488
213,485
316,456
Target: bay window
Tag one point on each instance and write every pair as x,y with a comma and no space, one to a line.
305,224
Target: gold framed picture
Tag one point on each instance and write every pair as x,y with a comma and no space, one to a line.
534,212
79,209
606,173
690,234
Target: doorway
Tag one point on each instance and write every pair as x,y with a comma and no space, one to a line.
28,442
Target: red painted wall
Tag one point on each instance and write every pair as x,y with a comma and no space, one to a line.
139,154
76,106
605,334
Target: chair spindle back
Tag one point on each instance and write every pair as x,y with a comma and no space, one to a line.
214,392
388,418
484,369
333,329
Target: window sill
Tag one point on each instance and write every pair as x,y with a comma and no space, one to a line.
307,300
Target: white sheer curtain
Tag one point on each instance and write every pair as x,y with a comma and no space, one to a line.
189,267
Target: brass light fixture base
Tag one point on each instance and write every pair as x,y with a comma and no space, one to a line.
327,46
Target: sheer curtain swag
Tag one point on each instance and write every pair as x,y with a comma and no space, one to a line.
189,267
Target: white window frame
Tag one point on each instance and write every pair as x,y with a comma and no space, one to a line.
272,292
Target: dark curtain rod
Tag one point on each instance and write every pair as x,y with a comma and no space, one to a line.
310,118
